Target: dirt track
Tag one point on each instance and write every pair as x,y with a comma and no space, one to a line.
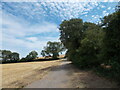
66,75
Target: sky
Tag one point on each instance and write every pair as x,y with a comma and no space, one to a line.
29,25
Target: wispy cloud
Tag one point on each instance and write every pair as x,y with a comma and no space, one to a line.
17,34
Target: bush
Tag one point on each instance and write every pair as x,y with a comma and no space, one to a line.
112,73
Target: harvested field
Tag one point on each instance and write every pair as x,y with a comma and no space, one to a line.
60,56
17,75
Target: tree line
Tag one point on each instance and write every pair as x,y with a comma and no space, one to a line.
52,49
91,45
13,57
8,56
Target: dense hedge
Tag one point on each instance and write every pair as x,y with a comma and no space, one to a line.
91,45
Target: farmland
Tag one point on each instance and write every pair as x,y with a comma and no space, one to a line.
17,75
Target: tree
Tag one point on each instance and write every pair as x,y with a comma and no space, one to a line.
14,56
6,55
23,59
0,54
32,55
71,33
111,45
90,48
82,41
53,48
107,19
43,53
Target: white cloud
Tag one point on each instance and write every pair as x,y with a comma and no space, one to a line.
102,6
16,27
63,10
105,13
109,8
38,11
33,39
60,0
16,34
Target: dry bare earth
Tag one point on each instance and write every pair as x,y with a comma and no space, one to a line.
17,75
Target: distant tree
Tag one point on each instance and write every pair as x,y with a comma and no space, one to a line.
43,53
6,55
53,48
0,54
14,56
23,59
31,55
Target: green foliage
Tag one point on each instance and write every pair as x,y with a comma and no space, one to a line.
43,53
14,56
82,40
23,59
89,45
71,32
52,48
8,56
32,55
111,45
113,73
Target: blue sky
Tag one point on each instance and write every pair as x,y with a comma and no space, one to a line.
27,26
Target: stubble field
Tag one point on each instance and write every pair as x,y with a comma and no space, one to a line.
18,75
